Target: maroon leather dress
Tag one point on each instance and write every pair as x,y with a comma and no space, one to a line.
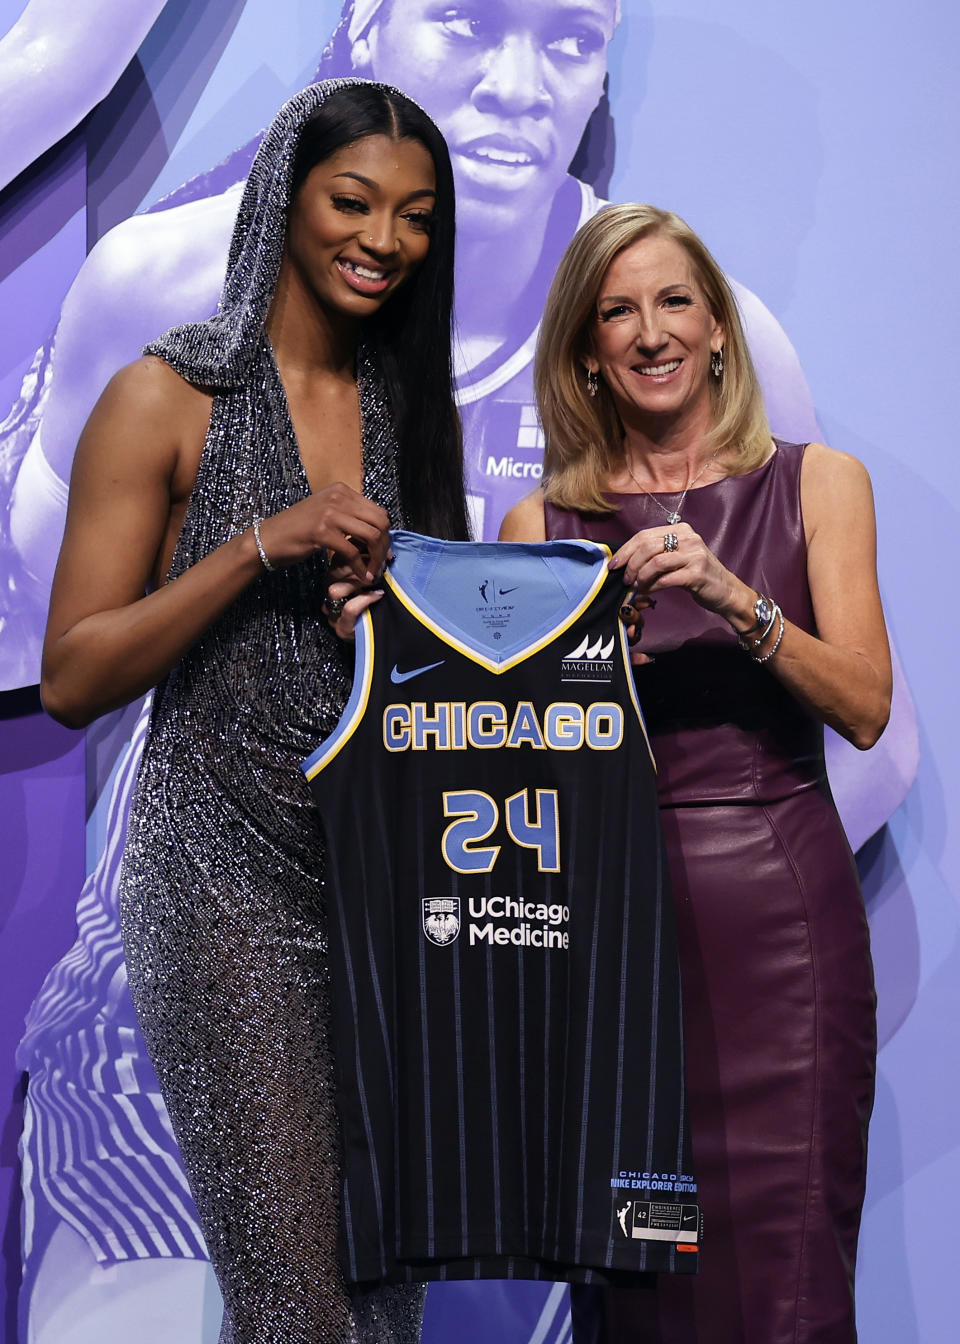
779,1003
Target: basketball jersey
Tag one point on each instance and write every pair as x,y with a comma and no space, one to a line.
506,997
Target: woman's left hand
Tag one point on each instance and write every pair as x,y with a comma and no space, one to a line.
649,568
344,587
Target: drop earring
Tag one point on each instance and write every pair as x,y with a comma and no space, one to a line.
593,382
716,363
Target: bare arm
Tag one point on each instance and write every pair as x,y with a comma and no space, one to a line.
108,640
842,675
57,62
525,521
143,276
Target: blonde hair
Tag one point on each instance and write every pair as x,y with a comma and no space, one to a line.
583,433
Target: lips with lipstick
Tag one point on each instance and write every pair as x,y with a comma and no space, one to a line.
363,277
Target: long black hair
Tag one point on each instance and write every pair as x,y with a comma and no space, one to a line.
412,332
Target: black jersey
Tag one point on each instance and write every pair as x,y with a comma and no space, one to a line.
506,997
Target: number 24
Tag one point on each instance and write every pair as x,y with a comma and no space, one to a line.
476,816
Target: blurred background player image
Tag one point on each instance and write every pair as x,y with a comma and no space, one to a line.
520,93
47,59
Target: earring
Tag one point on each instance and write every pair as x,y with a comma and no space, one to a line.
716,363
593,382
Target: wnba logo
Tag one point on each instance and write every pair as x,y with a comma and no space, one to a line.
441,919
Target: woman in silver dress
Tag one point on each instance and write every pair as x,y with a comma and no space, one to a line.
281,437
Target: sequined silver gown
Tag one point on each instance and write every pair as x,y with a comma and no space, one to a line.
222,895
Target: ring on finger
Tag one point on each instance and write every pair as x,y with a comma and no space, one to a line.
335,606
670,542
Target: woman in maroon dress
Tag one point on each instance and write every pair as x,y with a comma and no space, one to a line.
760,559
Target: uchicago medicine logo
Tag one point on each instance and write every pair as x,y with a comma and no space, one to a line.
441,919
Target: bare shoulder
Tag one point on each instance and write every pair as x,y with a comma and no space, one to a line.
833,485
525,521
149,390
147,415
826,468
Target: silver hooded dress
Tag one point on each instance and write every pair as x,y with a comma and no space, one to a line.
222,894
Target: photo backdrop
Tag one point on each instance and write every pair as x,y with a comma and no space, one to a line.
813,147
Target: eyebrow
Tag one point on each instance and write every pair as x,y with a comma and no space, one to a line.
375,186
661,293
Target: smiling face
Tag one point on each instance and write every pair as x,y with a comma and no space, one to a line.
511,84
653,335
360,224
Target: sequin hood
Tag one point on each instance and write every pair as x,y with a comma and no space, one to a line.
217,353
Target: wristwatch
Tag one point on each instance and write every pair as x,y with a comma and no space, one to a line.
763,609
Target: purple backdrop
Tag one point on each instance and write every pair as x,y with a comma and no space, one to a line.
809,190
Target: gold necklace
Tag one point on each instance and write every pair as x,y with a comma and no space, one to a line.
673,515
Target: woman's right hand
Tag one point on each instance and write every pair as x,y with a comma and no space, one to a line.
338,519
109,639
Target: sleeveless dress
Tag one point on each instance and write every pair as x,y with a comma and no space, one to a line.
779,1005
222,899
223,908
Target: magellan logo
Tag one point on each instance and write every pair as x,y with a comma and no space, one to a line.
589,661
441,919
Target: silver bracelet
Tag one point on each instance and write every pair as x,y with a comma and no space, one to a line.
776,644
262,553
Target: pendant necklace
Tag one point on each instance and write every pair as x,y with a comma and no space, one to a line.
673,515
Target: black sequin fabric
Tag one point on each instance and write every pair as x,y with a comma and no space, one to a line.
222,893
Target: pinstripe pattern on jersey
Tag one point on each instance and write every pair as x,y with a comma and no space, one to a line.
461,1105
615,1163
97,1148
587,1062
461,1057
494,1112
429,1193
362,1100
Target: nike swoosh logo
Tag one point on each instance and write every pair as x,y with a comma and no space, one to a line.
504,591
396,676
